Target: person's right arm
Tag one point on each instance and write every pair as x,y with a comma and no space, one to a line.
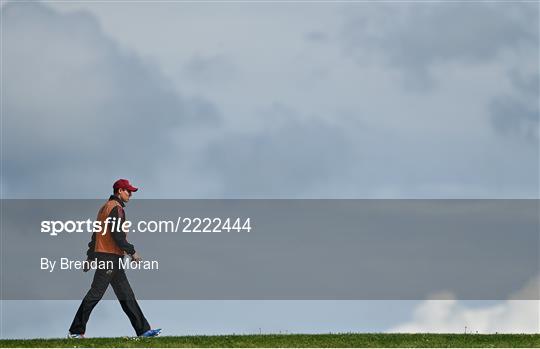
91,247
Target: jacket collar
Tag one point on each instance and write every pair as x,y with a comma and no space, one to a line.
114,197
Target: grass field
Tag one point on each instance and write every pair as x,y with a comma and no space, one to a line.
295,340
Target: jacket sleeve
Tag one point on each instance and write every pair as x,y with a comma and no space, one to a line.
91,247
118,234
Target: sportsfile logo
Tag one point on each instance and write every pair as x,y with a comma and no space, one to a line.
181,224
88,226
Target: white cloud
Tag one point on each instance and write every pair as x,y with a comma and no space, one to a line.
517,315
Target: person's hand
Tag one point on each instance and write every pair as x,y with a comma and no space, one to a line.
135,257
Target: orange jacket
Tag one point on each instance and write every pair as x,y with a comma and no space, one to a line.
115,241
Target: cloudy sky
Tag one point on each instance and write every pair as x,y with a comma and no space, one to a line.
273,100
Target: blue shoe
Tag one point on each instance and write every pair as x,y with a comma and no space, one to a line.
151,333
75,336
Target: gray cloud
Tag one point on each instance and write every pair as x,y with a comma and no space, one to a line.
418,39
316,36
518,114
89,111
209,69
80,110
301,156
515,119
288,156
414,37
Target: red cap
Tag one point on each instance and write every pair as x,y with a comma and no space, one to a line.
124,184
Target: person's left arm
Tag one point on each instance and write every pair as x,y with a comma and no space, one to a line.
118,234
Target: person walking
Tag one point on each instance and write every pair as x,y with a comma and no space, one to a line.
112,246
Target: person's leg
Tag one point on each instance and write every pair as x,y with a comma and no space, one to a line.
101,281
129,304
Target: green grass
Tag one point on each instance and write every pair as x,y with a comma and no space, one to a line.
296,340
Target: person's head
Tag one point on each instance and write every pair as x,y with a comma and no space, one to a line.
123,189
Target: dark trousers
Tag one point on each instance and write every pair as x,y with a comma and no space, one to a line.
115,276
